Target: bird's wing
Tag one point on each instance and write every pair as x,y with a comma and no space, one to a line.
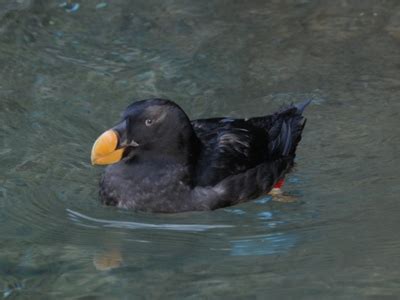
229,147
232,146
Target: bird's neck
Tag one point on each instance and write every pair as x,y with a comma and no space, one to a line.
183,148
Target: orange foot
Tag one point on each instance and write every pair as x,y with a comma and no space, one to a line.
108,260
279,196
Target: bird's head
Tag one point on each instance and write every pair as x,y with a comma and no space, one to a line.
149,127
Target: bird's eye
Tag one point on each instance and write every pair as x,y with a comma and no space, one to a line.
148,122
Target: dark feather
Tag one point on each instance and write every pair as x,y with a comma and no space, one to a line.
231,146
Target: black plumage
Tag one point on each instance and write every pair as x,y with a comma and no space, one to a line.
172,164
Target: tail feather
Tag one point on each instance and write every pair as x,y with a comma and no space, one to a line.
301,106
285,133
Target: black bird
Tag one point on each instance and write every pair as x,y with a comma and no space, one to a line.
163,162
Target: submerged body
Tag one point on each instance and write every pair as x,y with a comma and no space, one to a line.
163,162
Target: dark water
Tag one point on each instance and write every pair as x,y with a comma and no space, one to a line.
66,75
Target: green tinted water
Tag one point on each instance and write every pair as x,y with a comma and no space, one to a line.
66,76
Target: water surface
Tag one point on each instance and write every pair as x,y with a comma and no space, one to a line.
68,71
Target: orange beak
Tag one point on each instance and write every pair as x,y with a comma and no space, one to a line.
104,151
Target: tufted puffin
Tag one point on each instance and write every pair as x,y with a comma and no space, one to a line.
160,161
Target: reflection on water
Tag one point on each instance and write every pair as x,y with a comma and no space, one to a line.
66,73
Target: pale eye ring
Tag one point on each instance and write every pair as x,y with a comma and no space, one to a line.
148,122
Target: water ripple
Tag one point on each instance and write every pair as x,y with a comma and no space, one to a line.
80,219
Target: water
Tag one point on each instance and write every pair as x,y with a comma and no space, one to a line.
68,71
